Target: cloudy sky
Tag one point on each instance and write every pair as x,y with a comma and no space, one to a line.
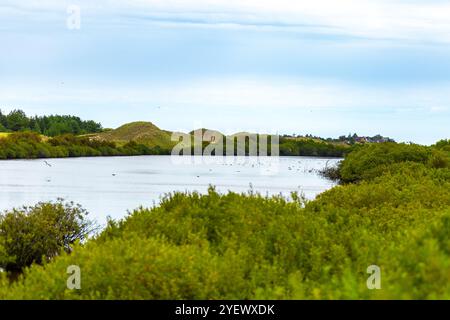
325,67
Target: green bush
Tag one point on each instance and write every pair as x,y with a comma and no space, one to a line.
372,160
35,234
443,145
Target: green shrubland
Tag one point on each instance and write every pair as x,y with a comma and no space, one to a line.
30,145
368,161
393,211
311,147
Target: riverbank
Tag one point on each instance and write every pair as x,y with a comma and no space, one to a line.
30,145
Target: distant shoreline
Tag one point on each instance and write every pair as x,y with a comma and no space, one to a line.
31,145
169,155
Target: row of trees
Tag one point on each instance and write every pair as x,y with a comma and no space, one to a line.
53,125
312,148
251,145
30,145
349,139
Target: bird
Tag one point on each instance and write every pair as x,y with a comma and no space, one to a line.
48,164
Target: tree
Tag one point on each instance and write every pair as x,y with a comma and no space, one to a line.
17,120
3,121
31,234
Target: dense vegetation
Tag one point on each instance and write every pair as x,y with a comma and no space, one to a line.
370,161
257,144
50,126
348,139
252,145
237,246
310,147
30,145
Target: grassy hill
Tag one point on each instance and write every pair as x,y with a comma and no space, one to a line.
141,132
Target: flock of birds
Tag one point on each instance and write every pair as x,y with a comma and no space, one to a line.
299,166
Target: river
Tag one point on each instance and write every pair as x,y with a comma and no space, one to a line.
110,186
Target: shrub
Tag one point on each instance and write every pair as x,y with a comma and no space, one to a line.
372,160
443,145
33,234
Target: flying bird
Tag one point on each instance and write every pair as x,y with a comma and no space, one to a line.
48,164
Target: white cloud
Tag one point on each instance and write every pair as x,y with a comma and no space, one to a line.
379,19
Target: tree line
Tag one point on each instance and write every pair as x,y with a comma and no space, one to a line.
31,145
53,125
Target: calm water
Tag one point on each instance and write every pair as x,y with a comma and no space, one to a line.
111,186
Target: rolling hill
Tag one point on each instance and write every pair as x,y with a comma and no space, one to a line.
146,133
141,132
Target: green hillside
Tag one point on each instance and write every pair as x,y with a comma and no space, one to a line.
145,133
149,135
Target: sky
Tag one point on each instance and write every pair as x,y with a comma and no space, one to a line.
322,67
